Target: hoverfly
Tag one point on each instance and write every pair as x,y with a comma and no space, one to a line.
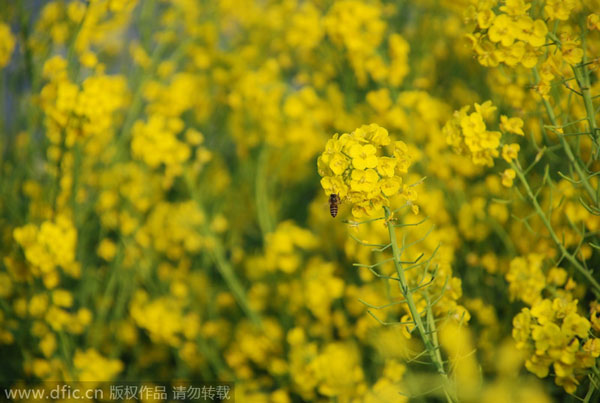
334,202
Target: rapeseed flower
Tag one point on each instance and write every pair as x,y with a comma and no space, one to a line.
353,168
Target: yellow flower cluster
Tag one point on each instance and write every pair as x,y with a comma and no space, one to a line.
130,184
173,229
73,113
552,333
283,248
550,330
468,134
319,288
359,28
175,97
162,140
525,278
93,367
511,37
254,346
338,371
163,319
92,25
49,246
353,167
156,143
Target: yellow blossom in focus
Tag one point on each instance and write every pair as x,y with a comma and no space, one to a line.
353,168
363,156
502,30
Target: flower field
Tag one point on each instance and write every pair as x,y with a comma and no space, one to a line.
309,200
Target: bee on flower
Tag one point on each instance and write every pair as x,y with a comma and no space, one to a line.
356,167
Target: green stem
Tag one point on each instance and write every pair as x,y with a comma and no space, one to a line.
590,392
566,146
430,344
546,221
217,254
584,85
65,350
262,199
594,378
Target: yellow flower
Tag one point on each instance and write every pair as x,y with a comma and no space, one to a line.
93,367
510,152
539,365
402,156
507,177
363,156
485,18
592,347
559,9
41,368
334,185
48,344
525,278
485,50
512,54
515,7
391,186
502,30
543,311
472,124
338,369
379,100
107,249
363,181
546,336
38,304
593,22
522,327
50,245
532,32
557,276
530,58
571,51
386,166
62,298
512,125
339,163
575,325
468,135
375,134
88,59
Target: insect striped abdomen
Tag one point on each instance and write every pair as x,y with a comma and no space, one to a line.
334,200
